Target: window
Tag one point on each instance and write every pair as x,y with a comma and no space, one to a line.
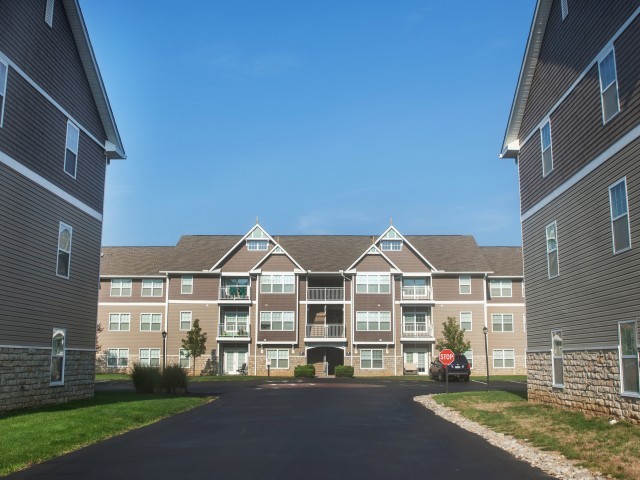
4,73
464,284
620,229
150,322
71,151
557,359
257,245
276,321
236,322
372,283
119,322
185,321
371,359
48,13
152,287
149,357
628,357
553,266
500,287
469,355
547,150
58,346
608,86
391,245
64,250
186,285
280,283
118,357
465,321
234,289
121,287
416,320
414,289
504,359
373,321
565,8
184,359
278,358
502,322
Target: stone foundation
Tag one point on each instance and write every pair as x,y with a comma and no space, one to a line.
591,384
25,376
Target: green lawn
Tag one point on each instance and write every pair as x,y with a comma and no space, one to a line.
33,436
123,377
502,378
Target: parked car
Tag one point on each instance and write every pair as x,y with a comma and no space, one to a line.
459,369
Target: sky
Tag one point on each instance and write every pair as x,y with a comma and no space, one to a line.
315,117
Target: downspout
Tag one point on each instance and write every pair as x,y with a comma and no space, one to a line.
486,322
166,319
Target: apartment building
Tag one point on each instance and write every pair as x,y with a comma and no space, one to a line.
57,134
272,303
575,134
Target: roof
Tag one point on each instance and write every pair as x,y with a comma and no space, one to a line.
134,260
200,252
113,145
450,253
510,144
504,261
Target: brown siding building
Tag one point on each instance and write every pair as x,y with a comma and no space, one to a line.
57,134
272,303
575,133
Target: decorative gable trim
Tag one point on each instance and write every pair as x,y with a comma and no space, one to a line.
373,250
408,244
241,242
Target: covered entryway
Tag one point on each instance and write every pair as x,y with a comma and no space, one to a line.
325,359
234,356
420,355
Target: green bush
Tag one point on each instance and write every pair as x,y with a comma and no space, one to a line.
146,379
174,379
344,371
305,371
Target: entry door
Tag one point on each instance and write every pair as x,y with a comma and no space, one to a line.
234,357
419,356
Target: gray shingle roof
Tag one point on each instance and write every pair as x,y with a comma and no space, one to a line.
134,260
504,260
451,253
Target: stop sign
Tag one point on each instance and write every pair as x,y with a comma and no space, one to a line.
446,356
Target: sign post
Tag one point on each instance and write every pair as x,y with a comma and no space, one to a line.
446,358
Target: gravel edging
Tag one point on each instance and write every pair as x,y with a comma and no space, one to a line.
549,462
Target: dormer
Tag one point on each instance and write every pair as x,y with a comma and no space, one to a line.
257,240
391,241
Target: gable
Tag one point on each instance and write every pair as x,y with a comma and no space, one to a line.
278,263
373,263
241,259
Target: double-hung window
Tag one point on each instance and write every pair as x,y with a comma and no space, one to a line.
65,233
119,322
48,12
58,350
278,358
464,284
564,8
504,359
184,359
150,322
276,321
71,150
620,229
391,245
373,321
553,266
469,355
466,321
500,287
152,287
118,357
609,86
628,357
373,283
185,321
121,287
371,359
547,150
186,285
557,359
149,357
4,73
502,322
277,283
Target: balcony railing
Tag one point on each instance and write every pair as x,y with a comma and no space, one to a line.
325,331
423,292
419,330
233,330
235,292
325,293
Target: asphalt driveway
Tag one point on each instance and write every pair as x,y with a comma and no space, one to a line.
323,429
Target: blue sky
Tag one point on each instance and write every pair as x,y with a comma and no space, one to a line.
317,117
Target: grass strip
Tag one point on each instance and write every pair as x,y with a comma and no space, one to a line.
123,377
28,437
592,442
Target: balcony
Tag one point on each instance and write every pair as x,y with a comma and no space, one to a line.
419,331
323,332
423,292
325,294
235,292
233,331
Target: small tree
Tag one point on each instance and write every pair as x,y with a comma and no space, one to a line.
195,343
453,337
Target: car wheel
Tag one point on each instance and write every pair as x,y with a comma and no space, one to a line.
441,376
466,379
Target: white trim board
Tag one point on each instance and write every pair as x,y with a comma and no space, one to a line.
131,304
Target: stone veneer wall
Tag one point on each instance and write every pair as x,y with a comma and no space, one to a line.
591,384
25,377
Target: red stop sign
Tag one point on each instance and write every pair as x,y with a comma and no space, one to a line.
446,356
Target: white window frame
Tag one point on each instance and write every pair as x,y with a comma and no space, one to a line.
614,83
410,317
48,12
551,234
286,317
58,357
619,217
4,68
368,352
628,356
544,149
557,356
145,357
153,319
470,320
501,322
500,285
120,284
119,322
72,144
154,285
281,359
564,6
286,281
184,357
371,319
464,281
120,354
186,317
391,245
64,249
186,285
373,283
499,355
469,355
257,245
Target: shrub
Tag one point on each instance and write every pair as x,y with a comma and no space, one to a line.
344,371
305,371
145,379
174,379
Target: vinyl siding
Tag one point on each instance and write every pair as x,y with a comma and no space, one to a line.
447,288
406,260
373,263
243,260
278,263
204,288
516,293
134,338
136,293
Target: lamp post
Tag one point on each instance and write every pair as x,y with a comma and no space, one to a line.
164,349
485,330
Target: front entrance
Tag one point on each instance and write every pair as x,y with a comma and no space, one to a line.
233,358
420,356
325,359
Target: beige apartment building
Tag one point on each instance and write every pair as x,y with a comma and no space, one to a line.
270,303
